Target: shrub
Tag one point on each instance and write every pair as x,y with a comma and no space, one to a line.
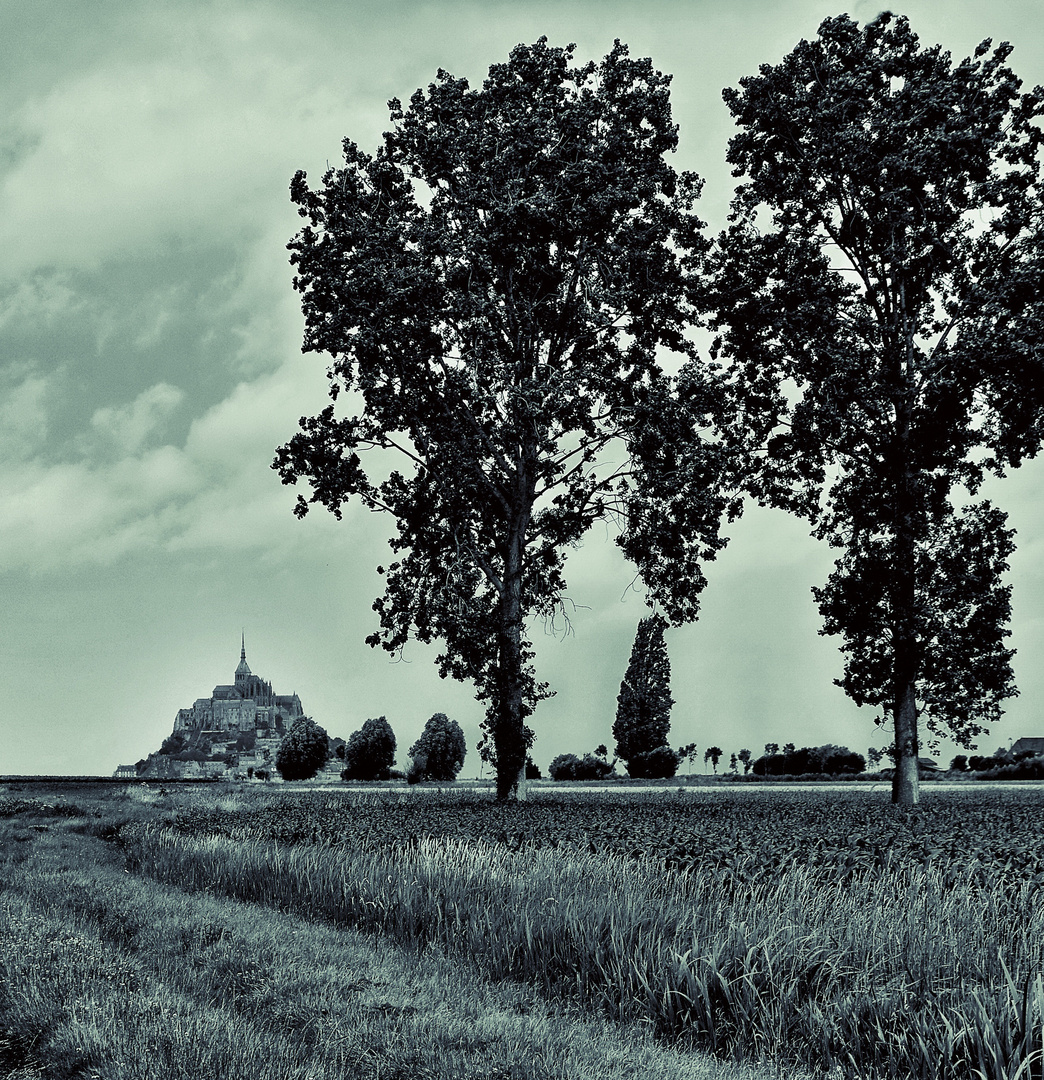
303,751
840,761
439,752
563,767
570,767
659,763
174,743
246,741
370,752
811,761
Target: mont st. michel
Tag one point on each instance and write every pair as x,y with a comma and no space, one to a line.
235,731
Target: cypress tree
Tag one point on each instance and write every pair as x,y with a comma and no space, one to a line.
643,712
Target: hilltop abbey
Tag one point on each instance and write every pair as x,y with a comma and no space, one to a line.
237,729
250,703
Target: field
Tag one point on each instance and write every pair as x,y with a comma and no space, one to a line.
701,933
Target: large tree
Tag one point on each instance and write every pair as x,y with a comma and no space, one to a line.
878,294
494,287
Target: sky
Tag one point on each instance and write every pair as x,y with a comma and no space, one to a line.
150,364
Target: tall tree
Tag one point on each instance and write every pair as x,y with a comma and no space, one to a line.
643,710
494,287
878,295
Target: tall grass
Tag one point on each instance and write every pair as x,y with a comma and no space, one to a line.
896,973
104,974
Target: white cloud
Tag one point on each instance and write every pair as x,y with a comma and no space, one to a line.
37,297
128,427
23,418
198,141
215,493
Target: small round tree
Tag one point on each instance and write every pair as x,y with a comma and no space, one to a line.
643,713
370,752
439,752
303,751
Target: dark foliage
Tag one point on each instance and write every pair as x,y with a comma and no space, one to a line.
369,753
493,289
827,760
174,743
661,762
643,710
571,767
303,751
439,752
246,741
878,297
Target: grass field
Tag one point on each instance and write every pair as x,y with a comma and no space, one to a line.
273,933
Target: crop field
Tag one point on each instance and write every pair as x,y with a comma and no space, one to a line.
794,933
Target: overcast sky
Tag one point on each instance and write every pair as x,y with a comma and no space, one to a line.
150,364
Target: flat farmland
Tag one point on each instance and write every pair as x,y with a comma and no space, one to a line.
775,931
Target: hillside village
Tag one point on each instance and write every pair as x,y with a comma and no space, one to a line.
235,732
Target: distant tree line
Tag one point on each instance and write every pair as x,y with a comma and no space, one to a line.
809,760
1001,765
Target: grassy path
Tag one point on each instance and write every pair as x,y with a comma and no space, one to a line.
107,975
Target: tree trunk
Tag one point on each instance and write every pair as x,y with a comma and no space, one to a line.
509,738
906,660
905,665
905,780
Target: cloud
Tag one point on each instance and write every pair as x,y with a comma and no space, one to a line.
23,416
128,427
214,493
40,298
198,140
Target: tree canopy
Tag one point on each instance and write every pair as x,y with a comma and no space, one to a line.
369,753
440,751
303,751
878,298
493,288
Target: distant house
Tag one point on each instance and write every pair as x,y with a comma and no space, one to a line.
125,772
1028,746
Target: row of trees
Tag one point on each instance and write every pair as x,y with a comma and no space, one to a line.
369,754
494,290
826,760
1025,762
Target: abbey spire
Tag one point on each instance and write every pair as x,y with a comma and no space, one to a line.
243,671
